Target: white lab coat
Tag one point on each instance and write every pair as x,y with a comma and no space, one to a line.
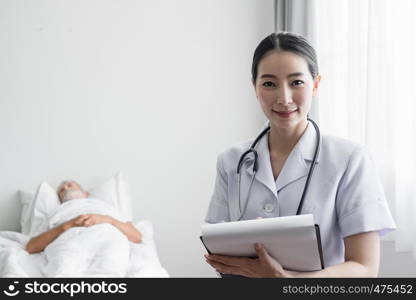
345,195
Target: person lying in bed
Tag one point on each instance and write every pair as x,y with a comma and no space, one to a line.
71,190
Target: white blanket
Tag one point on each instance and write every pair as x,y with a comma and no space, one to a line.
100,250
97,251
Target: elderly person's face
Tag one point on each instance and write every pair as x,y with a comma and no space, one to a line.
69,190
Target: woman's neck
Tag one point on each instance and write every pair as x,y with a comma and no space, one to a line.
283,140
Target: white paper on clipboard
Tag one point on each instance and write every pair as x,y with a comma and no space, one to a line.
293,240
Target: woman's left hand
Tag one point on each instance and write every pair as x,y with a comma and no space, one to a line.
261,267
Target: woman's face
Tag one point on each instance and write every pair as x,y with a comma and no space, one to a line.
284,88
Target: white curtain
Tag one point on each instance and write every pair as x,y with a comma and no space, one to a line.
367,59
367,56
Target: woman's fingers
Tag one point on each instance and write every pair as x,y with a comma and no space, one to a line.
226,269
228,260
232,265
263,266
261,251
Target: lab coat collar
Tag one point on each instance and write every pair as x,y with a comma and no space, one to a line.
307,143
295,167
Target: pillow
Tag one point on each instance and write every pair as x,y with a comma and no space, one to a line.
25,201
37,207
115,192
44,203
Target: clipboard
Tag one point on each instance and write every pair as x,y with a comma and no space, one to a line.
298,248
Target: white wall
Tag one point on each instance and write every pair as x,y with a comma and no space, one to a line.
396,264
153,88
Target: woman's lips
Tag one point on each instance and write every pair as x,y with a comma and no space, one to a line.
285,114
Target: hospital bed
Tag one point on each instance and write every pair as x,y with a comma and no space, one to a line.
141,258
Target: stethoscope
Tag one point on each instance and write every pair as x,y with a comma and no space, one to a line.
255,167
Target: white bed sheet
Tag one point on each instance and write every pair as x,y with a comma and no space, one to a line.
15,261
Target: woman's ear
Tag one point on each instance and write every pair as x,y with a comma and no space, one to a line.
316,82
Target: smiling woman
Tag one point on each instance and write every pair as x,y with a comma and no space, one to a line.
284,90
344,194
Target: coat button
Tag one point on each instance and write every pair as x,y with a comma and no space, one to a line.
268,207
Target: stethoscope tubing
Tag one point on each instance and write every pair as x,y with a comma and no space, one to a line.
255,168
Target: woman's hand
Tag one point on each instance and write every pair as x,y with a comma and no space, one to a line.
261,267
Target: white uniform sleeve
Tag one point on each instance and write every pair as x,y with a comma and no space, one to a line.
218,210
361,205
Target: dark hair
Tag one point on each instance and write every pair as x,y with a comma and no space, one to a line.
285,41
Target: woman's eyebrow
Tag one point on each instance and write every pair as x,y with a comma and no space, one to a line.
288,76
295,74
267,76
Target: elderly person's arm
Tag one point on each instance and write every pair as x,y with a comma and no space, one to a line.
126,228
39,243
